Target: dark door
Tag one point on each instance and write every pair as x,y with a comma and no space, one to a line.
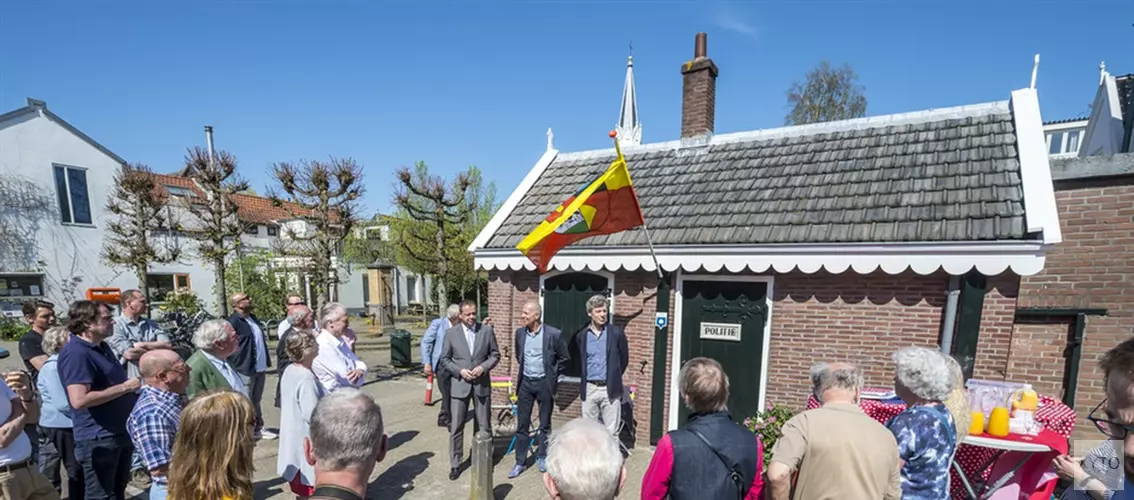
565,307
725,321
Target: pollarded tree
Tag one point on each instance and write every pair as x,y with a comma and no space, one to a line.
216,226
143,232
435,213
324,196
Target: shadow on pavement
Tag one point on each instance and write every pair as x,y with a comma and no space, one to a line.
401,438
265,489
501,491
397,480
383,373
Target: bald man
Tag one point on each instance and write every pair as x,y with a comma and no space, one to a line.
155,419
251,359
543,358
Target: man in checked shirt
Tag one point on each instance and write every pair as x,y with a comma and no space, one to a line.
153,423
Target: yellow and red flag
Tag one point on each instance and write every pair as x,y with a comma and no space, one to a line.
605,205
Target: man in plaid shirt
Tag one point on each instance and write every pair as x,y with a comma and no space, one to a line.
156,416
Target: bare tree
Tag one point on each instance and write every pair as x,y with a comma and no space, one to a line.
217,228
324,196
438,212
143,233
826,94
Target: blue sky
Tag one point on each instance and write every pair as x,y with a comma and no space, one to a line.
464,83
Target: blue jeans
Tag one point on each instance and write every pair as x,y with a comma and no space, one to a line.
158,491
106,466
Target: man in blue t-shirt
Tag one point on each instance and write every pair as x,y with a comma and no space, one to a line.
102,398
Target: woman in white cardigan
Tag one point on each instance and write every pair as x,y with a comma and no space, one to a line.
337,365
300,391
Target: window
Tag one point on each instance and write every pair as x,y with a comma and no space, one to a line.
411,289
161,285
180,191
273,230
1073,141
1054,143
378,233
74,200
252,229
366,288
21,285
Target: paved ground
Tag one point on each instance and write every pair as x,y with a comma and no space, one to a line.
417,464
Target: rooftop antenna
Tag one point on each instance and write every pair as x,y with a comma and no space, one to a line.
1035,69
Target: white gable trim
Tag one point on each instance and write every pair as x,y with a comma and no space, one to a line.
513,200
991,258
1104,128
1040,212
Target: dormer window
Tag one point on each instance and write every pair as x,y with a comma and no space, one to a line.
180,191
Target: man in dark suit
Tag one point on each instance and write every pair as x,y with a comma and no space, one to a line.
468,353
251,359
543,358
606,355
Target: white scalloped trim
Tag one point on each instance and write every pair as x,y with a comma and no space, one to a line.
990,259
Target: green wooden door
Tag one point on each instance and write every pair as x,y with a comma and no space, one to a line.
565,307
725,321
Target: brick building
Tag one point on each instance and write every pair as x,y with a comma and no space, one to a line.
1080,305
835,241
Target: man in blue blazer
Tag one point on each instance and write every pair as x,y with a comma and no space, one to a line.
431,354
543,357
606,354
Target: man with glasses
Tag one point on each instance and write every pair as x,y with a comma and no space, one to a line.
101,397
1114,417
154,421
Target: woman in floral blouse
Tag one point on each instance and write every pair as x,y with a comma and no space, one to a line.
925,431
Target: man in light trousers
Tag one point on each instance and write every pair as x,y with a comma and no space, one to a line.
606,354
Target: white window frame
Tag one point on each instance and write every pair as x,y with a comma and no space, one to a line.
67,187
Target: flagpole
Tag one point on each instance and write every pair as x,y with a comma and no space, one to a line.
645,227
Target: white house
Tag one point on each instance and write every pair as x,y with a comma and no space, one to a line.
1107,131
54,182
54,185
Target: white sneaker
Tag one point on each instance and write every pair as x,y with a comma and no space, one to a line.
266,434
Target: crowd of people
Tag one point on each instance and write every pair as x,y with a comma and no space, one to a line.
107,400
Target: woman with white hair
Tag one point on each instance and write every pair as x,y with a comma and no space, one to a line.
56,430
925,431
336,365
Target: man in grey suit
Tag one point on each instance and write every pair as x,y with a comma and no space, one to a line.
469,352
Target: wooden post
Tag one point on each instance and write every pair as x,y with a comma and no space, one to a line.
481,467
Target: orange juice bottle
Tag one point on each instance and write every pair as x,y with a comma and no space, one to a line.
998,422
976,428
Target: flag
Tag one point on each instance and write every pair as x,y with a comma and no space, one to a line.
605,205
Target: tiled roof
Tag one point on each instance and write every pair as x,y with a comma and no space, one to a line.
252,209
935,176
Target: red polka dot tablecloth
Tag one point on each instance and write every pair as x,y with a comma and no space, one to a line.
1053,414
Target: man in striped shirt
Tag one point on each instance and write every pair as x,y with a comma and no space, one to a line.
155,419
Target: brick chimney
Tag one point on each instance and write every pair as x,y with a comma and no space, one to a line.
698,92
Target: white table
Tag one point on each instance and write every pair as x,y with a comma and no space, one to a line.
1002,446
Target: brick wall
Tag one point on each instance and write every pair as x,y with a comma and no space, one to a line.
864,319
848,317
1092,268
635,296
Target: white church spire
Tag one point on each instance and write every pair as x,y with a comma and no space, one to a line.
629,129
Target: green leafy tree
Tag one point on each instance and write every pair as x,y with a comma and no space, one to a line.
216,226
324,196
826,94
263,281
141,233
